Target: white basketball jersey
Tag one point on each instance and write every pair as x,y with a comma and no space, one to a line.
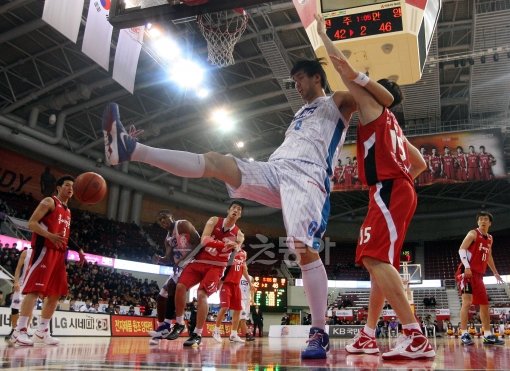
244,285
314,135
179,243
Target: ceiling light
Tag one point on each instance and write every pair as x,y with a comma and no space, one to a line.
251,159
203,93
240,144
186,73
166,48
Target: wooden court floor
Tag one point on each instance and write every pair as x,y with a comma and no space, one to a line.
87,353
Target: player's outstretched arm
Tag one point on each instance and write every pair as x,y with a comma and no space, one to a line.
379,93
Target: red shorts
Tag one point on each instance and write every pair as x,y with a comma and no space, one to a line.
230,296
390,210
47,275
473,286
206,274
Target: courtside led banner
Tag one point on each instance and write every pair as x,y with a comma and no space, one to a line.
455,157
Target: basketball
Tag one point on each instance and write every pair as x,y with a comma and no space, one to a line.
89,188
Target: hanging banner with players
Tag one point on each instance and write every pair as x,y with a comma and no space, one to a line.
463,156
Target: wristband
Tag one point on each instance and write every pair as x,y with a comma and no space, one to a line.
463,258
361,79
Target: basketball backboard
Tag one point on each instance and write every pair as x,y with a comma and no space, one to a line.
133,13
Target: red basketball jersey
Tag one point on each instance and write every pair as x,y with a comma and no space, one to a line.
479,251
382,150
221,255
472,160
236,270
435,163
57,222
485,160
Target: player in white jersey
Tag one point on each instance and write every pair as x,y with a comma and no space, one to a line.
295,179
19,278
179,242
246,299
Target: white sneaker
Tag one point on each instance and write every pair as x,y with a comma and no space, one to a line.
217,336
412,346
45,338
21,338
236,339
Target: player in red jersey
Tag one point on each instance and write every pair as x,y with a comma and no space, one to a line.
486,162
219,238
388,164
349,173
461,164
473,165
436,165
46,276
338,173
425,176
355,174
448,164
475,255
230,295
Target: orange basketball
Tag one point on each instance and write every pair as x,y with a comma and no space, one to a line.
89,188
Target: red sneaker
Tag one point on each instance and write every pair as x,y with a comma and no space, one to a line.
362,343
413,345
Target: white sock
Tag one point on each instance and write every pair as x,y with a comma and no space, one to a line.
198,331
233,333
43,324
216,328
180,320
315,281
369,331
167,320
183,164
487,333
22,323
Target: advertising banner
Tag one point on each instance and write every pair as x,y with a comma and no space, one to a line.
82,324
5,321
442,314
387,314
344,331
289,331
454,157
132,326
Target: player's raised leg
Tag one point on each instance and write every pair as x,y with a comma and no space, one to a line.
120,146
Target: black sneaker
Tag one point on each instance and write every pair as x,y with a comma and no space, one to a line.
250,338
492,340
193,341
175,332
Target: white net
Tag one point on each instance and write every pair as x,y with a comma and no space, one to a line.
222,30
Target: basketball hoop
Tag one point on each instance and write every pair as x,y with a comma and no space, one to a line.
222,30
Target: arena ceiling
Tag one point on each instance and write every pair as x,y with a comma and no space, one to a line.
40,68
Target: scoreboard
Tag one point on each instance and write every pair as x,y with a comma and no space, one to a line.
270,293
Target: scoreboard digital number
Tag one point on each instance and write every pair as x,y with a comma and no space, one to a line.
371,23
270,294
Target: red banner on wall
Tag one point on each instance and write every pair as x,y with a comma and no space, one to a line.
132,326
454,157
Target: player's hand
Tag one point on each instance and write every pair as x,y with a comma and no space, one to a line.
16,287
321,26
343,67
468,273
499,279
231,245
58,240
